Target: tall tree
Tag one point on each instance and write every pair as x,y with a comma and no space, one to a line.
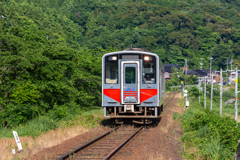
221,53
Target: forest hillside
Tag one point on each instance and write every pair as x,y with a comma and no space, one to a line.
51,50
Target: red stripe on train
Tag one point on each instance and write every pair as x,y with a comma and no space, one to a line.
116,94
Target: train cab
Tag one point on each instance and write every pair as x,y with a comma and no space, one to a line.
133,84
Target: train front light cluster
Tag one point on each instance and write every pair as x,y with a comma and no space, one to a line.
146,58
112,58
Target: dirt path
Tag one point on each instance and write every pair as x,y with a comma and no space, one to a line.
159,142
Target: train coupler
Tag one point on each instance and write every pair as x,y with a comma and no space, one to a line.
128,108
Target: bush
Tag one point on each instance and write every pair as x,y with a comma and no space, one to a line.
215,136
193,92
33,128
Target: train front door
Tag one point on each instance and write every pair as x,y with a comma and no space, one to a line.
130,83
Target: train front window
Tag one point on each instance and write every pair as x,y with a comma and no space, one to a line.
111,69
149,70
130,75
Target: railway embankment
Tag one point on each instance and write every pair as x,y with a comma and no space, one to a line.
37,135
206,134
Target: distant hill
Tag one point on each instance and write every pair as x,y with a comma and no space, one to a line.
175,29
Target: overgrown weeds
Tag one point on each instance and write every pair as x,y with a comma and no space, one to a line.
206,134
42,124
176,115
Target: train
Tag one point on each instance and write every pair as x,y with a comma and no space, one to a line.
133,85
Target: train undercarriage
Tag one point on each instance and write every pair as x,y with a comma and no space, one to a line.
131,111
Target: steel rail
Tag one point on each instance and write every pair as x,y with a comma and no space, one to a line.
121,145
65,156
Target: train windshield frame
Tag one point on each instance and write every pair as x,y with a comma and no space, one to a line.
111,70
149,69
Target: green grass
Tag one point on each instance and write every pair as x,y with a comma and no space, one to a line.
227,109
206,134
176,115
33,128
43,124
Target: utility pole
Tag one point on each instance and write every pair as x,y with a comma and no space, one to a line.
227,64
231,69
236,94
211,92
211,83
201,64
199,78
186,66
182,87
199,86
186,70
221,89
205,92
227,72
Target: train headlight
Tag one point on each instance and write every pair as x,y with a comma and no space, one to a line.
146,58
112,58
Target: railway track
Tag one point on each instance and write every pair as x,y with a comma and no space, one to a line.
104,146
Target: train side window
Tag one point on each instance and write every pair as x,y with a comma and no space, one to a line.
130,75
111,71
149,70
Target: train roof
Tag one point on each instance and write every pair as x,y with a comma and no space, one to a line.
132,52
136,49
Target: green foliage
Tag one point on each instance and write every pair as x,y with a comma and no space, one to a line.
220,54
33,128
176,115
42,76
194,92
42,124
51,51
174,81
190,29
206,128
214,136
25,93
177,77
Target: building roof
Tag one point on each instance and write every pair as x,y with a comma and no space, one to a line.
189,72
168,67
201,73
196,72
208,70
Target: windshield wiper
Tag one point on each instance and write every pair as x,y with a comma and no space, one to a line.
113,83
146,83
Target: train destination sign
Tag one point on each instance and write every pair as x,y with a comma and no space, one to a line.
130,56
